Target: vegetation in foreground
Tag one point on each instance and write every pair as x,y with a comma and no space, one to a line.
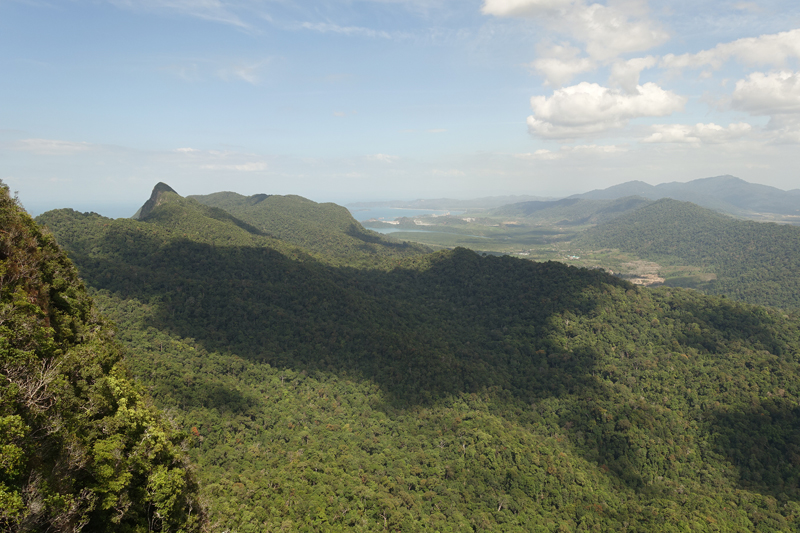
81,445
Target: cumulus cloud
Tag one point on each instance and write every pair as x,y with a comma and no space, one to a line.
774,49
559,64
697,134
606,31
768,94
52,146
564,151
524,8
626,74
589,108
609,32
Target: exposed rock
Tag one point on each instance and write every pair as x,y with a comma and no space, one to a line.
154,201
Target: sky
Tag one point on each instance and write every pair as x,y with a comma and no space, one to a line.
358,100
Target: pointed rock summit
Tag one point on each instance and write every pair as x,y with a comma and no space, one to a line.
154,201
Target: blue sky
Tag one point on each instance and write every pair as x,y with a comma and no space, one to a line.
391,99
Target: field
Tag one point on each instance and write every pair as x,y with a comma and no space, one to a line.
539,242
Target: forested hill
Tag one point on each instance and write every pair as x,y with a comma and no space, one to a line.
448,392
755,262
81,446
326,228
575,211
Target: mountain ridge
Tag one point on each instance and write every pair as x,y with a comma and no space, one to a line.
722,193
448,390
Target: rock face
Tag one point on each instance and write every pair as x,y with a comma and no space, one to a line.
155,200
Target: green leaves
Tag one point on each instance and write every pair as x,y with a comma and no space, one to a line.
78,440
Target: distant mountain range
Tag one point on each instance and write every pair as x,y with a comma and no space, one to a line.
727,194
721,193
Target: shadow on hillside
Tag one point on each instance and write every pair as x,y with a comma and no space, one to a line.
464,324
763,445
369,237
724,320
456,323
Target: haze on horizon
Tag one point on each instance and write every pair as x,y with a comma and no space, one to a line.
391,99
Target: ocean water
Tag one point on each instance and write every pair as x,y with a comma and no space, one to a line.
392,213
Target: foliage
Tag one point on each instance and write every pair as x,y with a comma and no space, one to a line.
450,391
80,447
570,211
326,229
754,262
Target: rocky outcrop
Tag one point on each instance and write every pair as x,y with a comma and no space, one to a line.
154,201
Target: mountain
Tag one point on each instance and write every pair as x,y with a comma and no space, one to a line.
722,193
326,228
81,446
753,261
446,390
570,211
154,201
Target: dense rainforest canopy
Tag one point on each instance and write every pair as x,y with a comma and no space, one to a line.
753,261
82,448
405,391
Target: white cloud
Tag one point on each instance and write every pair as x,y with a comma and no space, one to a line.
581,149
607,31
383,158
697,134
774,49
524,8
560,64
626,74
52,147
589,108
768,94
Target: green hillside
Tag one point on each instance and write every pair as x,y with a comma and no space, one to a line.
327,228
570,211
755,262
447,392
81,446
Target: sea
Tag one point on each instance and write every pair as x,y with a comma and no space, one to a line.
392,213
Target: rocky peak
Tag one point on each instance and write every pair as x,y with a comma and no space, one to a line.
154,201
